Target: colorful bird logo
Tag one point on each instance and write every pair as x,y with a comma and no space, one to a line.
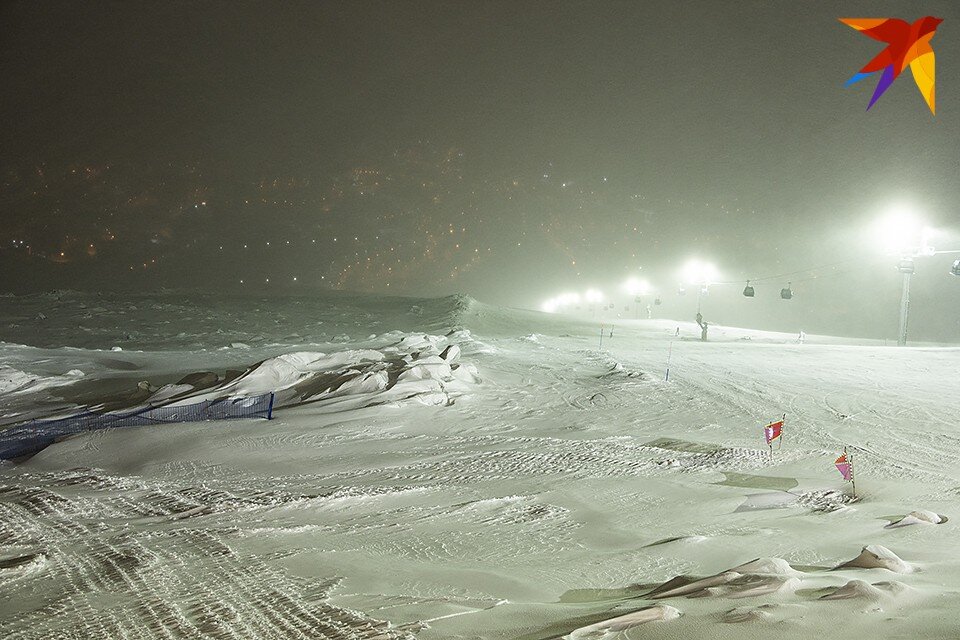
907,44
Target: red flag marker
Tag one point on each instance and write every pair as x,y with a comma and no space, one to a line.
774,431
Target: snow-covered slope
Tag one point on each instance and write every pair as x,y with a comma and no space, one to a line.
548,489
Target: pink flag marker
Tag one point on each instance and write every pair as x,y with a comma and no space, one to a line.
844,467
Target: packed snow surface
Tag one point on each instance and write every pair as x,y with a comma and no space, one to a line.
447,469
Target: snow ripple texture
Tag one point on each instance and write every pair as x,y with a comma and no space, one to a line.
81,560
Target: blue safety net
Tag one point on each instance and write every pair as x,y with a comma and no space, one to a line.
30,437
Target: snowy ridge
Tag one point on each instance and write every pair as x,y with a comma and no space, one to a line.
422,367
395,366
416,367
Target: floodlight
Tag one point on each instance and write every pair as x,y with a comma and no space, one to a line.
593,295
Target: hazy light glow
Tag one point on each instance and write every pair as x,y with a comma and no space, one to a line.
636,287
700,272
902,234
593,295
564,301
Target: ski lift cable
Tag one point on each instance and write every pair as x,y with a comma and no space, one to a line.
831,275
845,271
807,270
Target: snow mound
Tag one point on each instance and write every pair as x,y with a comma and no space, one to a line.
656,613
825,500
290,369
22,566
11,379
694,587
917,517
749,586
876,556
748,614
767,566
417,367
855,589
762,576
862,590
16,381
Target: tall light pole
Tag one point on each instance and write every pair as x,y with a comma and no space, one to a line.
701,274
906,268
901,235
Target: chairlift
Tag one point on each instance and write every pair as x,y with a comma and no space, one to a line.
681,291
748,290
657,301
955,269
906,266
786,293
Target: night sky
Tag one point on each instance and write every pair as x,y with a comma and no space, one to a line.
509,150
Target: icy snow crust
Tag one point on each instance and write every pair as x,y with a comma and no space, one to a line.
443,468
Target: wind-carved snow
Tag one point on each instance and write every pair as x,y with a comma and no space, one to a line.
15,381
146,578
420,367
530,485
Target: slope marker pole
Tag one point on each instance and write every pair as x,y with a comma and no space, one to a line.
853,477
666,378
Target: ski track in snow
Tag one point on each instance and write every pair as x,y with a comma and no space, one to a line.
119,576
